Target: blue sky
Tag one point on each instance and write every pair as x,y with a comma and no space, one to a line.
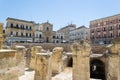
58,12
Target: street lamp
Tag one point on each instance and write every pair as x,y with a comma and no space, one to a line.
11,39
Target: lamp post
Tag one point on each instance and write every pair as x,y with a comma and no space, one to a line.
11,39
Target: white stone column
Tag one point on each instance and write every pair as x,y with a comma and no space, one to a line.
81,66
43,70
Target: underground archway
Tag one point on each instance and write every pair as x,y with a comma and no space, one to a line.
97,69
70,62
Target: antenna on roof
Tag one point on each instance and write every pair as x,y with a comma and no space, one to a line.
47,21
71,22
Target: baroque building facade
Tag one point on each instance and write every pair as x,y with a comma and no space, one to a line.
104,30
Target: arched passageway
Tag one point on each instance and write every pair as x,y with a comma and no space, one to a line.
97,69
70,62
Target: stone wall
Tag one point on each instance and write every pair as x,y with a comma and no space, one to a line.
114,62
8,68
81,65
47,46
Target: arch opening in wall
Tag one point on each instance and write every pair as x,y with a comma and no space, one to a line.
70,62
97,69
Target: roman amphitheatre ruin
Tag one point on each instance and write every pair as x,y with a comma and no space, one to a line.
76,61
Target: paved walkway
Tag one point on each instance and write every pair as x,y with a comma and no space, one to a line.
65,75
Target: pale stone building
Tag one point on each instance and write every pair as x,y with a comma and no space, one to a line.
38,36
19,30
28,31
80,33
66,31
58,37
46,29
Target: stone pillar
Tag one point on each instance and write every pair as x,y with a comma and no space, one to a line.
43,69
28,56
81,65
57,63
1,35
114,62
8,69
20,59
34,50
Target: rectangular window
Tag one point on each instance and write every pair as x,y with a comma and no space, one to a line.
16,33
11,33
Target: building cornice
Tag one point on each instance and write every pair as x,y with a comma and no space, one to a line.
20,20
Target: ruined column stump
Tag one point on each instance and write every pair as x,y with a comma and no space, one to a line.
43,70
114,61
57,63
1,35
8,68
81,65
34,50
20,59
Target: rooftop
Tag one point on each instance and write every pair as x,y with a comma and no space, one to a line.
20,20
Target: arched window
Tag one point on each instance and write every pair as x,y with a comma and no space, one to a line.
17,26
11,25
16,33
26,27
40,36
30,28
26,34
11,33
53,36
47,29
21,34
61,37
30,34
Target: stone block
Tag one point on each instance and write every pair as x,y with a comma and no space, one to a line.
34,50
57,62
43,69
